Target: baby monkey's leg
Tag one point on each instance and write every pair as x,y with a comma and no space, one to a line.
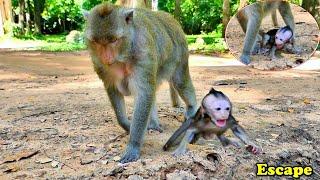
272,54
188,137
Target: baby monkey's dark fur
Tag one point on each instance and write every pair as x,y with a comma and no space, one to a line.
202,124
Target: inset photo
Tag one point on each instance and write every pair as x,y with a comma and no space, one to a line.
272,35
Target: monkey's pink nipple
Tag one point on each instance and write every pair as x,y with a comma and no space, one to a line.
221,122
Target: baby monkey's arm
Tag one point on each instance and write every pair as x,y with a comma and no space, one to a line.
241,134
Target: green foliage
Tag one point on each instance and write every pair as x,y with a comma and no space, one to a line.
55,43
62,47
218,46
201,15
57,13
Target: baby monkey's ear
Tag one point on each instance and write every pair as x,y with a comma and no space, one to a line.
212,91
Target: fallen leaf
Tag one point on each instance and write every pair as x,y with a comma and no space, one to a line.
116,158
54,164
290,110
20,155
12,169
104,161
306,101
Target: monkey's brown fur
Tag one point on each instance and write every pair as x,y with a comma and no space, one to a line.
133,51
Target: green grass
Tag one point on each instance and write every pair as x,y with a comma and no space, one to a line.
215,45
52,43
57,43
62,46
47,38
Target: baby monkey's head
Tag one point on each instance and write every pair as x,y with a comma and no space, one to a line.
217,106
284,35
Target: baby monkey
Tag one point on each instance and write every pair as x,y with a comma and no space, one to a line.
275,39
214,117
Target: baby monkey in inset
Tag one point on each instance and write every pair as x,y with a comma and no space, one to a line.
214,117
276,39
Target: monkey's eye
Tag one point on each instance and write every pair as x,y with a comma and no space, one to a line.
227,109
218,109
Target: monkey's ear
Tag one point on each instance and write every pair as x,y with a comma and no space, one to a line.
85,14
129,16
212,91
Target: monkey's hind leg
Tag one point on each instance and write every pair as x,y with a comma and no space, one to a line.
117,102
188,137
154,119
182,83
174,96
272,54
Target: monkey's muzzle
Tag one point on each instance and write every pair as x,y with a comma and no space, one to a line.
221,122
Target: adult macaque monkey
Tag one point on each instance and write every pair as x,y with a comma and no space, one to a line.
132,51
214,117
250,19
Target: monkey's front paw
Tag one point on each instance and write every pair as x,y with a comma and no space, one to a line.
254,149
131,154
245,59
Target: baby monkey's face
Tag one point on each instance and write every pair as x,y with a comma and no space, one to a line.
282,37
218,109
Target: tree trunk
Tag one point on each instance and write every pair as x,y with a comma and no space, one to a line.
22,15
177,10
6,10
38,8
226,15
154,5
1,23
242,4
6,16
313,7
28,18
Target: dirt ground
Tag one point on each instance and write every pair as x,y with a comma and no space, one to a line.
56,122
305,27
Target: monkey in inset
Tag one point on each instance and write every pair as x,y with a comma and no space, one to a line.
275,39
214,117
250,19
133,51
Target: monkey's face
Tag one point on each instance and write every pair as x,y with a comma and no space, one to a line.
108,31
282,37
218,108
